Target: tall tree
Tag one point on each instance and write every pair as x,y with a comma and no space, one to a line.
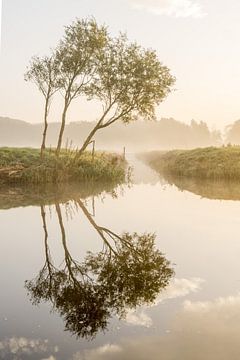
130,81
77,55
43,72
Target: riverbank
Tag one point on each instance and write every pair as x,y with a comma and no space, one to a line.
24,166
202,163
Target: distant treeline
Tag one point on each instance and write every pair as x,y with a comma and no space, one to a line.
166,133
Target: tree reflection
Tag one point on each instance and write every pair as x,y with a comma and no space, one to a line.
129,271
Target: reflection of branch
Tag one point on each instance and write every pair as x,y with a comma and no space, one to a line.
103,231
48,263
43,215
42,287
116,237
96,227
68,258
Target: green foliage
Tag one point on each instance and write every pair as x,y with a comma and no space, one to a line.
44,73
130,80
77,55
204,163
23,165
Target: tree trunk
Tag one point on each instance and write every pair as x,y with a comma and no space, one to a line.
43,146
60,136
87,141
92,133
90,136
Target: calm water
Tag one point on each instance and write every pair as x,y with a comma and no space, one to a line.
58,302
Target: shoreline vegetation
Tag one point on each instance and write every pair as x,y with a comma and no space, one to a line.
25,166
201,163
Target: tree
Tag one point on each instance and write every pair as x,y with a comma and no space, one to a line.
43,72
233,133
77,58
129,271
129,82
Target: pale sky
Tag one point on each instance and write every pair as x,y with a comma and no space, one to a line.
0,20
197,39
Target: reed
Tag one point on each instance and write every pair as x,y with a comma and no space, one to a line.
24,165
203,163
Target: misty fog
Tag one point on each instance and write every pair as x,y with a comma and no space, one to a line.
163,134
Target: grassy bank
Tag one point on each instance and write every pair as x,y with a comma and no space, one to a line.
202,163
23,165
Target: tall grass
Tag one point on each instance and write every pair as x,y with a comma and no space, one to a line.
23,165
203,163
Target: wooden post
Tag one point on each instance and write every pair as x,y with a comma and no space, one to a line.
124,153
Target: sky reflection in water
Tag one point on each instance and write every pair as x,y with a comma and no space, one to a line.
196,316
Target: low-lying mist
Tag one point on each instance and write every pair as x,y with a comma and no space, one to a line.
164,134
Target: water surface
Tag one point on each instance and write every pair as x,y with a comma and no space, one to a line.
196,227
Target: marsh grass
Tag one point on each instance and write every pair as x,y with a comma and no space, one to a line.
24,165
203,163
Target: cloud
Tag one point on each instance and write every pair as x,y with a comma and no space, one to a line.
201,330
221,316
100,353
175,8
177,288
20,347
216,305
138,318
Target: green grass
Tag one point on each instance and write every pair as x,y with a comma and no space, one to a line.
203,163
23,165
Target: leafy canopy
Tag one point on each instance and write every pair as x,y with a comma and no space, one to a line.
77,53
130,81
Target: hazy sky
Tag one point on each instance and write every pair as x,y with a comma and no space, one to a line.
197,39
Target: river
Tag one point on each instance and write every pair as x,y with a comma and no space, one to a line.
58,301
